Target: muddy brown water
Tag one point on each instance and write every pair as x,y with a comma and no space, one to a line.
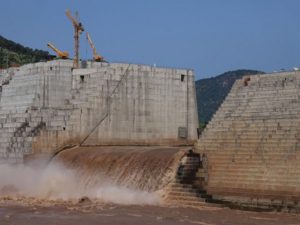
17,213
116,174
142,168
145,169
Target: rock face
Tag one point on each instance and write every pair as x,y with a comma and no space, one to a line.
46,106
251,145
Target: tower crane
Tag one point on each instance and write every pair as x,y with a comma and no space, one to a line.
60,54
96,57
78,29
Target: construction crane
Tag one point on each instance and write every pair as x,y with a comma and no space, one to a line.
60,54
78,29
96,57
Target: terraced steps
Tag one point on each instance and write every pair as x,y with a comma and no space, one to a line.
252,142
183,190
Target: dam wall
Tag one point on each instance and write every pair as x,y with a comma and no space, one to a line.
46,106
251,147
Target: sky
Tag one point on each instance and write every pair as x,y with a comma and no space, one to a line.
209,36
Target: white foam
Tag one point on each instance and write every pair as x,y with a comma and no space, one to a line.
57,182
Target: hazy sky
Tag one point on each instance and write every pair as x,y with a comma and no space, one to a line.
209,36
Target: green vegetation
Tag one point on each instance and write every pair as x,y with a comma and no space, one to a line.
211,92
13,54
202,126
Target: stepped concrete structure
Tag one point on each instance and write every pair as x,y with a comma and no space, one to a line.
49,105
251,147
247,156
185,189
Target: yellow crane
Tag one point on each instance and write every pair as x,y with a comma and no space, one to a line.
78,29
60,54
96,57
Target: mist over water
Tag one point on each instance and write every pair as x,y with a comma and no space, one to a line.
122,175
56,182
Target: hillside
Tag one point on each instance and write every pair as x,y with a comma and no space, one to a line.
212,91
12,54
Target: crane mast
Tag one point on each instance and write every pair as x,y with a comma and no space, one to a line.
96,57
78,29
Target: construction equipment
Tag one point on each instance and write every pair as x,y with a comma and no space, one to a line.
78,29
60,54
96,57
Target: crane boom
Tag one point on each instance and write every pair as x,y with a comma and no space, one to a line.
60,54
78,29
96,57
74,21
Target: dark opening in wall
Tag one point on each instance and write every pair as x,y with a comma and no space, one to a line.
51,68
83,64
182,77
81,78
182,132
246,81
64,128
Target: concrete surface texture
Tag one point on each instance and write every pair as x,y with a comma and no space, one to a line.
251,145
45,106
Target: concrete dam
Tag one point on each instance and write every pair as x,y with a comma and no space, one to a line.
251,145
128,125
111,128
46,106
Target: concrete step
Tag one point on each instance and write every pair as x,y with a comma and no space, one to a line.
186,203
181,185
186,197
192,193
182,189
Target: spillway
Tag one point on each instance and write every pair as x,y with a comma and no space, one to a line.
137,114
141,168
117,174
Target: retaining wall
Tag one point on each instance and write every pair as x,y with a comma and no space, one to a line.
45,106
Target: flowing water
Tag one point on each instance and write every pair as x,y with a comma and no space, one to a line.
131,177
123,175
146,169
